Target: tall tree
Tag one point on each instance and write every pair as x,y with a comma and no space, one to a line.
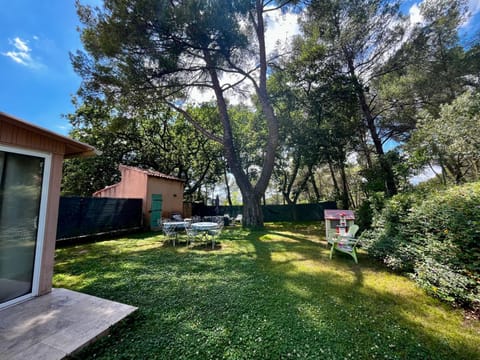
440,57
318,124
450,140
362,34
159,50
155,138
436,67
318,113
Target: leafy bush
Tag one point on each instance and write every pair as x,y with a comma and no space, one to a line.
441,281
385,240
371,206
435,237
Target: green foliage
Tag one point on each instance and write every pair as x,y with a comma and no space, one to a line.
149,137
431,68
82,177
435,237
271,294
141,53
376,178
385,241
368,208
318,114
357,36
247,121
451,139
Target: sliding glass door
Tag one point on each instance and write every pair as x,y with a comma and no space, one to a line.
21,189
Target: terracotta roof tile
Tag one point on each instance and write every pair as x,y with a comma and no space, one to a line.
337,214
152,173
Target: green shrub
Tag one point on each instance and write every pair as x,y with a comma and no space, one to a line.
385,240
442,281
435,237
369,207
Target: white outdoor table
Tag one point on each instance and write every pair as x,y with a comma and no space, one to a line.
205,227
176,224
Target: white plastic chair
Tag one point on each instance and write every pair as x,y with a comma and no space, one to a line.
169,232
192,234
346,243
215,233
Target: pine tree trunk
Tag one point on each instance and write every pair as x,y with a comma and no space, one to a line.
252,211
227,186
390,184
334,179
345,194
315,187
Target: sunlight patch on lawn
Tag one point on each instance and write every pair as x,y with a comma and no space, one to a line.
272,293
296,263
412,304
298,290
279,237
77,282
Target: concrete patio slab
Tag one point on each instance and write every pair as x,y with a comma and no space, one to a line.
56,325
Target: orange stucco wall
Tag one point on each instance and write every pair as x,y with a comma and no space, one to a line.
136,184
133,184
172,196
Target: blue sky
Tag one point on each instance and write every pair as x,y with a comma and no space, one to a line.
36,37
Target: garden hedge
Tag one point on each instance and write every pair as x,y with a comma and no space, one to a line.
435,238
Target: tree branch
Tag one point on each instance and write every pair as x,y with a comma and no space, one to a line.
195,123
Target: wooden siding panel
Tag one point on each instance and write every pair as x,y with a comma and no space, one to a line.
48,253
19,137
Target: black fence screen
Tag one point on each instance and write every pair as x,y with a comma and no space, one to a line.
81,216
271,213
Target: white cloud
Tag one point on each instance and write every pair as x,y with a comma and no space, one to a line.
415,16
21,53
425,174
474,6
21,45
280,29
473,9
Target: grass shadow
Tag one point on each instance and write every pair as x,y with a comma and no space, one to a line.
264,294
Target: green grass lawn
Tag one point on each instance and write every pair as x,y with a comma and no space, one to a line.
271,294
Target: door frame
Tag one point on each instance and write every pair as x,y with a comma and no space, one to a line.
42,218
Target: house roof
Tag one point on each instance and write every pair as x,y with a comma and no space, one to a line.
105,188
337,214
151,173
73,148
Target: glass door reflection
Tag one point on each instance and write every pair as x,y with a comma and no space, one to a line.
20,193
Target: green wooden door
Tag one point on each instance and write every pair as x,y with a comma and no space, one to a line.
156,211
